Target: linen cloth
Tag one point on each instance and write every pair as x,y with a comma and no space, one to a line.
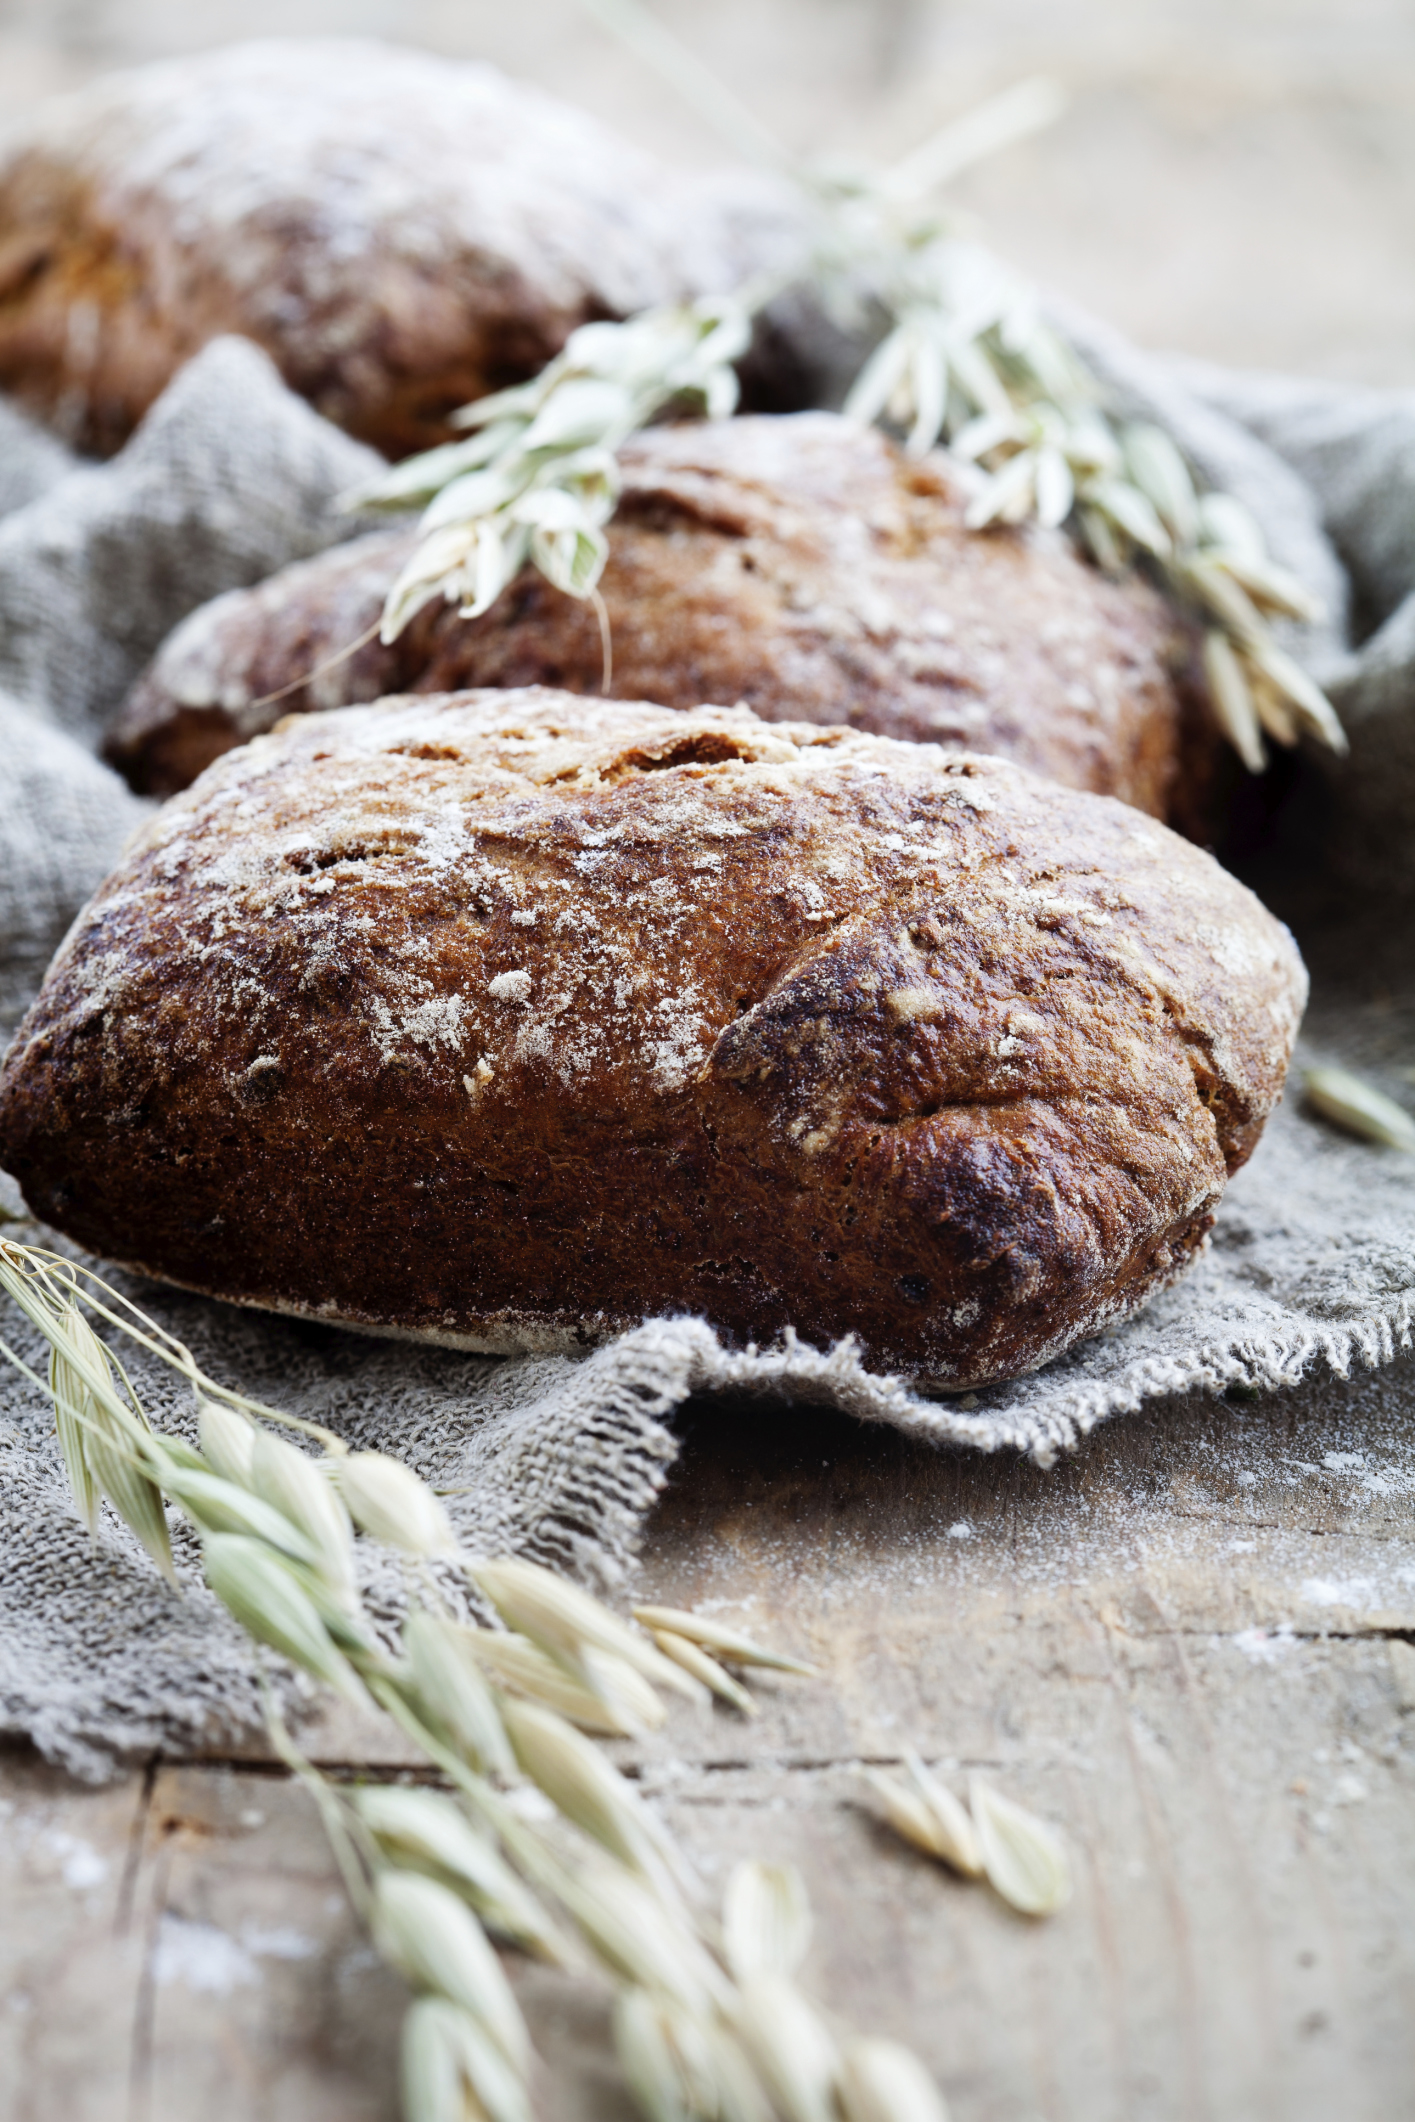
230,477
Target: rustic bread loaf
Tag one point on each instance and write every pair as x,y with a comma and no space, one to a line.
509,1020
401,232
802,565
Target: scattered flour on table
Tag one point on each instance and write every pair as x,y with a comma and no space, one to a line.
206,1959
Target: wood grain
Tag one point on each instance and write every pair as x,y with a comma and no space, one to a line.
1179,1645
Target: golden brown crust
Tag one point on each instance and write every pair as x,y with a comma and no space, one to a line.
513,1019
802,565
400,232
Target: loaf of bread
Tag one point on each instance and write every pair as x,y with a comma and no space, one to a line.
802,565
509,1020
401,232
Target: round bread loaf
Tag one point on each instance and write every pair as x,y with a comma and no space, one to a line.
402,233
802,565
510,1020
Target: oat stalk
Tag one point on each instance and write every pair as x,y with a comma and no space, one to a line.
1023,1859
537,477
709,2022
1358,1108
965,359
970,361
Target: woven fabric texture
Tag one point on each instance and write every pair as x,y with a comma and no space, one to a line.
229,477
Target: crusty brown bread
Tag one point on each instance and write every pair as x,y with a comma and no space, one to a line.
401,233
803,565
509,1020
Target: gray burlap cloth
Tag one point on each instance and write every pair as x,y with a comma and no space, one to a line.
1312,1262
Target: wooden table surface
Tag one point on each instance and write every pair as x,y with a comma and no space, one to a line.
1191,1646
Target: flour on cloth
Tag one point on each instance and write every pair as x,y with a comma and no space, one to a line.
1311,1266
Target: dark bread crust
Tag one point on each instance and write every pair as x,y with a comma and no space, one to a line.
402,233
801,565
511,1020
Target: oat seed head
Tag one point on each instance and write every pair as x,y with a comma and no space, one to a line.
431,2083
227,1441
388,1501
666,2057
301,1489
790,2047
1228,527
515,1663
907,1813
265,1596
73,1415
452,2072
103,1438
565,1621
218,1506
737,1649
432,1938
1157,469
589,1790
766,1920
971,363
740,2096
641,1938
957,1843
1232,698
452,1694
537,478
1025,1860
277,1552
881,2081
623,1690
695,1660
425,1831
1349,1102
1270,587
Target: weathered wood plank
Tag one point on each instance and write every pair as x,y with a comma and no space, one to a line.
1187,1667
263,1996
70,1960
1184,1646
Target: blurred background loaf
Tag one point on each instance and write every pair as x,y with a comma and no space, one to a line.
401,235
1237,179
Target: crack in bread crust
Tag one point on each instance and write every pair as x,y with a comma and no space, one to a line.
526,1011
